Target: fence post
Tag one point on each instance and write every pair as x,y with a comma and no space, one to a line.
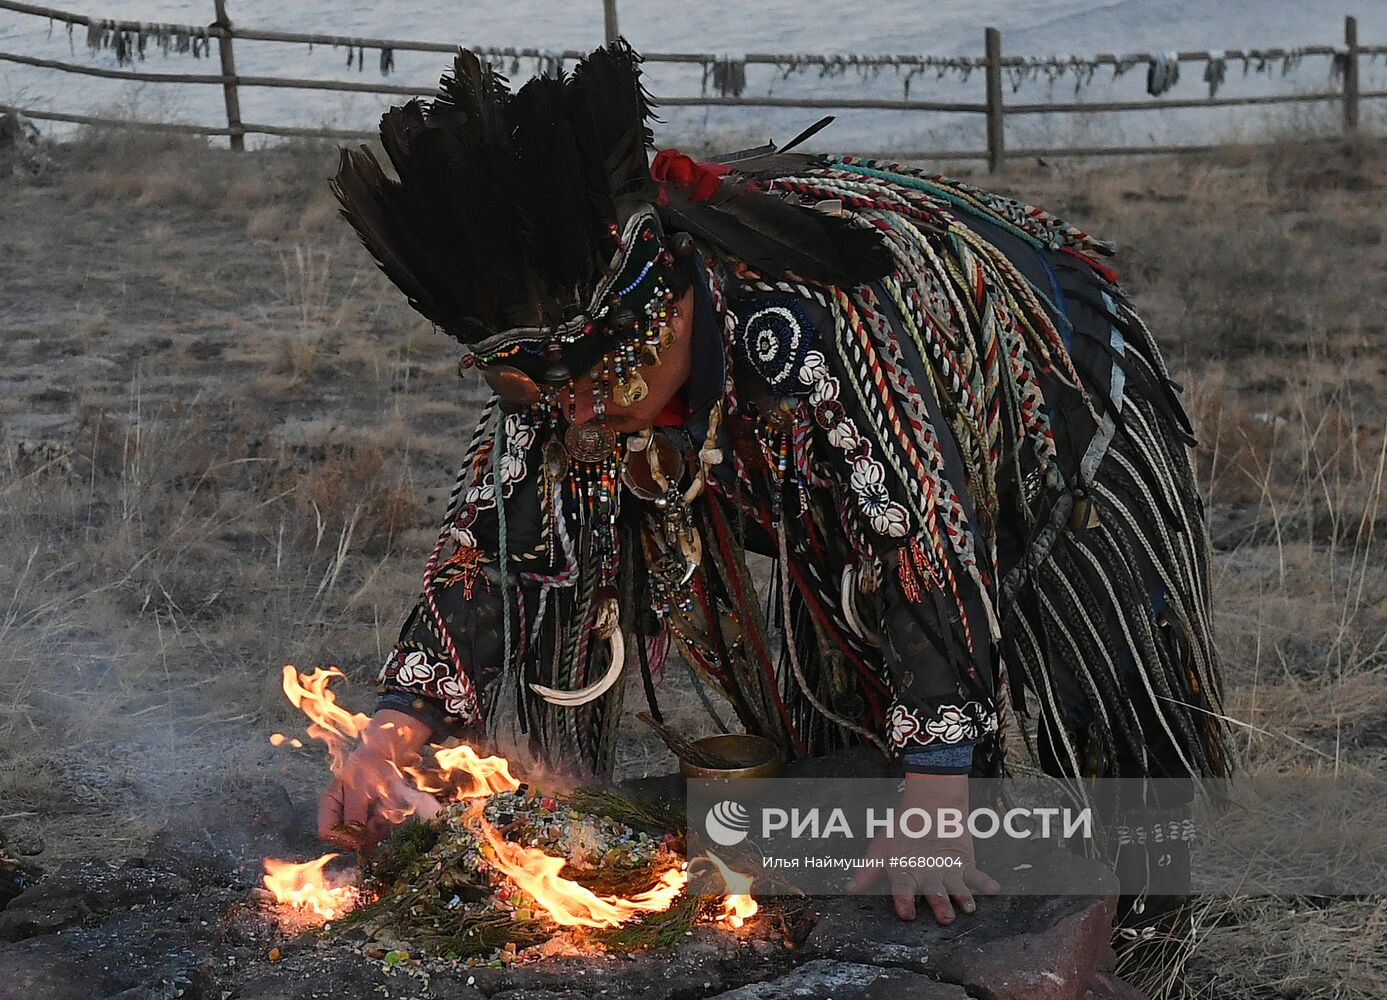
229,91
609,29
1351,76
996,153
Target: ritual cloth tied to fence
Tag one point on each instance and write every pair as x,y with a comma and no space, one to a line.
724,77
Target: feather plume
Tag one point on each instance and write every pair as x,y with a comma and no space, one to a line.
501,212
611,112
556,218
779,238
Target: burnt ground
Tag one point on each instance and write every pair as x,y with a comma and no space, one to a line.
224,442
183,919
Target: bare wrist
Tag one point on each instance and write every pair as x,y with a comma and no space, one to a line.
937,789
395,732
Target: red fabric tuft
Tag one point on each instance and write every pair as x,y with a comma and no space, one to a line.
675,169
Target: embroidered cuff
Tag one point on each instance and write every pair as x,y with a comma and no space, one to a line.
956,759
419,673
911,729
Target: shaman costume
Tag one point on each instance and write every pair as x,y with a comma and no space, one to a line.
932,407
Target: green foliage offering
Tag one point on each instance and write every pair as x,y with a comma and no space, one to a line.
659,930
405,848
437,890
656,814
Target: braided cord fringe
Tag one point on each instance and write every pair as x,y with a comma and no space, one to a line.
1127,679
469,472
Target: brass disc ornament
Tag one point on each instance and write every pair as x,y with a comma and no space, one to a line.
589,442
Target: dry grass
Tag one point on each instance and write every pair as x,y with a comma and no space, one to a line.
207,468
223,440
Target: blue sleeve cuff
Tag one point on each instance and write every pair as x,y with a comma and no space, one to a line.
956,758
426,710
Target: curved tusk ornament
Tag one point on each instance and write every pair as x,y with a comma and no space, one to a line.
849,601
608,626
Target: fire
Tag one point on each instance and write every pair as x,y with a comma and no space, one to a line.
737,906
462,774
471,777
304,887
458,773
737,909
568,903
331,723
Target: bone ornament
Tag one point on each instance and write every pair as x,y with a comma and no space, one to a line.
850,585
631,389
608,627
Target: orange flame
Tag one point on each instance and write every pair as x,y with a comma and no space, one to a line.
737,906
407,790
331,723
304,887
471,777
737,909
568,903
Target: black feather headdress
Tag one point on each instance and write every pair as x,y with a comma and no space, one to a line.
528,225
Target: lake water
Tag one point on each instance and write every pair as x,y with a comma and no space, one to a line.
1029,27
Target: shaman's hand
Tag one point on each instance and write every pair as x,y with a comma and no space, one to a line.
371,794
942,869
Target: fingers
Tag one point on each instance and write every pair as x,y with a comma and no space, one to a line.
948,893
344,811
938,900
957,889
976,878
379,828
940,895
903,892
330,811
864,879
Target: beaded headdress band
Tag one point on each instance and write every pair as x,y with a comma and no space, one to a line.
624,326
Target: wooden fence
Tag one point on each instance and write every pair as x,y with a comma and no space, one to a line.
993,65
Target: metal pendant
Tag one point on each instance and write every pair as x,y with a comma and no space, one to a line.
512,385
589,442
555,459
1084,514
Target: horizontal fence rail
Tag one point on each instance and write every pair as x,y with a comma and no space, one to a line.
992,65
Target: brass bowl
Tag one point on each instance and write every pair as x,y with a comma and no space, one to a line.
753,757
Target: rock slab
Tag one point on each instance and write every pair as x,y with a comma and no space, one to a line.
824,979
231,831
82,891
706,963
1016,947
